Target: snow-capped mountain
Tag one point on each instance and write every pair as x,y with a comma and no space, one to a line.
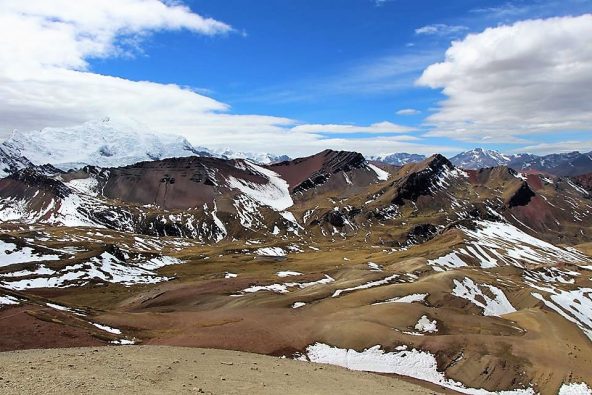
479,158
257,157
562,164
397,159
105,143
11,161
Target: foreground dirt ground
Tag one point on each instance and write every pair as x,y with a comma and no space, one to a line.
157,370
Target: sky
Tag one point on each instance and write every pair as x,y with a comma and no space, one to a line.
299,76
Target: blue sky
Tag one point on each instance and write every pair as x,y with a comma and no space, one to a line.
353,62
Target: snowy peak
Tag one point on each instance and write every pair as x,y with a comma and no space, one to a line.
263,158
109,142
397,159
104,143
479,158
562,164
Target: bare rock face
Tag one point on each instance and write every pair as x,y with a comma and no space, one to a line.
584,180
421,179
33,180
306,173
522,196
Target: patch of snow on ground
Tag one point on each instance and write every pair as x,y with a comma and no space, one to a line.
230,275
123,342
375,267
367,285
275,193
10,254
87,186
158,262
284,288
288,273
297,305
270,251
106,328
413,298
574,306
495,305
508,244
104,267
425,325
575,389
219,224
380,174
414,363
451,260
8,300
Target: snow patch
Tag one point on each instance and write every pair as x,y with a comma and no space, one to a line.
425,325
288,273
380,174
575,389
495,305
275,193
270,251
414,363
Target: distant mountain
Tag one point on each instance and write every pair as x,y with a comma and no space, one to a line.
563,164
479,158
104,143
397,159
258,157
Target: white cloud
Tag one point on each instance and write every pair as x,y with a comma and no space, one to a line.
376,128
441,29
408,111
64,33
556,147
45,80
509,82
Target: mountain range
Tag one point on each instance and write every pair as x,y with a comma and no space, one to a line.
562,164
105,143
463,278
119,142
467,274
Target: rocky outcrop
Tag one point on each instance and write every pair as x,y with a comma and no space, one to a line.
420,180
31,178
521,196
306,173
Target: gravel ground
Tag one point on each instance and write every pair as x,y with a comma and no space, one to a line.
157,370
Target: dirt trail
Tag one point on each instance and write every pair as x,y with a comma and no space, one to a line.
157,370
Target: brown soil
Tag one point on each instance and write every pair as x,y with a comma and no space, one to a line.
20,329
158,370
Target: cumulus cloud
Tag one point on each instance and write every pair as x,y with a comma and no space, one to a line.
64,33
555,147
512,82
408,111
46,80
440,29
